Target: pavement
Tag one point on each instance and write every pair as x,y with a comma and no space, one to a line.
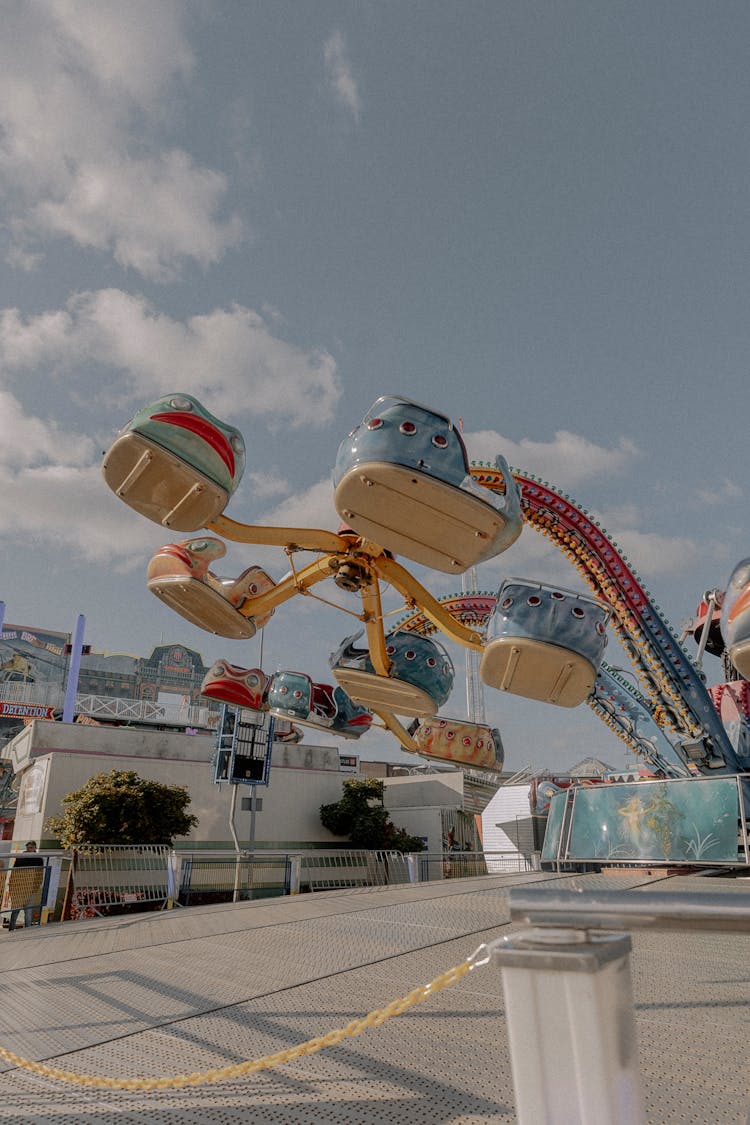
194,989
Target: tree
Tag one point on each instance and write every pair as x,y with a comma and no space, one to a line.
361,816
120,807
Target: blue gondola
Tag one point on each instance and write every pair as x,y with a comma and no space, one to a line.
735,618
402,479
176,464
544,643
293,695
420,679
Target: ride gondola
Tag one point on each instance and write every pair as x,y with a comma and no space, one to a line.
293,695
544,643
402,479
242,687
735,618
178,574
460,742
418,683
175,463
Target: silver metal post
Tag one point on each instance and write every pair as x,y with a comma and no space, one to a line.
251,841
712,597
233,830
571,1025
295,863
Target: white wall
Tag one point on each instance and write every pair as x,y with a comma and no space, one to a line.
61,757
509,802
415,802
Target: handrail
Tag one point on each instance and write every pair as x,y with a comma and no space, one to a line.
641,910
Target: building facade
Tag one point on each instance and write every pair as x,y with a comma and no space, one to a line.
34,668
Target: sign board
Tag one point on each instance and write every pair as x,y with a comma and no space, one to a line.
25,711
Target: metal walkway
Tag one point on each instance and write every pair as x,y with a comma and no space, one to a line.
191,989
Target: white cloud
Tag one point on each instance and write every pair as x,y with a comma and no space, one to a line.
65,506
311,508
224,356
51,491
28,441
84,87
725,492
265,485
132,47
339,73
651,554
567,460
153,214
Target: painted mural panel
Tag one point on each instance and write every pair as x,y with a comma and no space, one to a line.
660,822
553,829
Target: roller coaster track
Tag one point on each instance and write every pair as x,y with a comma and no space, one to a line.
673,684
676,696
628,715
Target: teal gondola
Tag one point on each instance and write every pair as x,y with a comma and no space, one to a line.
419,682
175,463
293,695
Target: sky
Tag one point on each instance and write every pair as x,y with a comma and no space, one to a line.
529,216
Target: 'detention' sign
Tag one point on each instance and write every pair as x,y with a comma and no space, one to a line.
25,711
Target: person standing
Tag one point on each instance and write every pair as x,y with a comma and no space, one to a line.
25,885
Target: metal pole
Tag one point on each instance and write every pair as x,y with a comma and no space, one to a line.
712,911
233,830
295,872
74,667
571,1026
251,841
711,606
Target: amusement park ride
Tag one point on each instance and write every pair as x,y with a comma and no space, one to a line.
403,486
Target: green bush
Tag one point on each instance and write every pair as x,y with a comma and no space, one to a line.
361,816
120,807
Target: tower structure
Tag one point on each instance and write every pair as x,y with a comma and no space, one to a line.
474,687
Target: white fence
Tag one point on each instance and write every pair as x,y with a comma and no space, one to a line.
112,879
109,707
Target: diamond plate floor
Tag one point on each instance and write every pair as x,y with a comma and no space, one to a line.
187,990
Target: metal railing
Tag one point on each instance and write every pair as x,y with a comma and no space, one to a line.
469,865
646,910
208,878
337,870
116,875
33,891
110,707
96,880
588,1011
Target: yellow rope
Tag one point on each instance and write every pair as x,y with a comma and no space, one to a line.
251,1066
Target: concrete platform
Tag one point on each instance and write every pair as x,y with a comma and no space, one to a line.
192,989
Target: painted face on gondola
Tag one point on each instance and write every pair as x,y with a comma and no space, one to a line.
181,424
405,433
